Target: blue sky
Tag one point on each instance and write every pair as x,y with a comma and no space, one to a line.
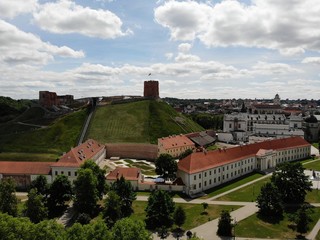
195,49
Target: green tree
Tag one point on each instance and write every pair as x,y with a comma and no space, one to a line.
97,231
86,193
128,229
224,224
60,191
8,199
269,201
291,181
12,228
179,216
99,174
35,208
41,184
48,230
302,218
126,193
185,153
112,208
166,166
76,232
159,210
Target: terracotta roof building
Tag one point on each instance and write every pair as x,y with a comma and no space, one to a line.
70,162
203,170
130,174
25,172
174,145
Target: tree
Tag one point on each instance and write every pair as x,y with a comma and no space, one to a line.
166,166
8,199
41,184
99,174
12,228
269,201
86,193
35,208
128,229
179,216
97,231
125,191
159,210
60,191
291,182
205,206
49,230
302,218
112,208
224,224
185,153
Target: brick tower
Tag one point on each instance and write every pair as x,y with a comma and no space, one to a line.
151,89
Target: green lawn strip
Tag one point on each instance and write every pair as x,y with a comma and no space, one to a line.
28,157
245,194
306,161
194,213
314,165
254,227
212,147
128,161
313,196
231,185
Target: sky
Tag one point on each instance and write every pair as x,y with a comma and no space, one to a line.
195,49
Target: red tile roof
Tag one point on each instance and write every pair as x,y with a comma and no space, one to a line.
78,155
28,168
201,161
128,173
175,141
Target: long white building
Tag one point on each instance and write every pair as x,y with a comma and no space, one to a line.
204,170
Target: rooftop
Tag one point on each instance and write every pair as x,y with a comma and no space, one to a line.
29,168
128,173
175,141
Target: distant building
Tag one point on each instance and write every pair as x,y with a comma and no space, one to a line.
133,175
201,171
175,145
49,99
151,89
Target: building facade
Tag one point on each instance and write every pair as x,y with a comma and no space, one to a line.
201,171
175,145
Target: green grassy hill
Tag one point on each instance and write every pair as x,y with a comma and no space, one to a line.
42,144
139,122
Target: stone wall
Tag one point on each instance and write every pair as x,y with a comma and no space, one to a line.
132,150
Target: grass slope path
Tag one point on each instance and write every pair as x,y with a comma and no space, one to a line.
138,122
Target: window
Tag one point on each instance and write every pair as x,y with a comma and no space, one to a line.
194,186
69,173
75,174
214,171
200,185
62,172
222,168
195,177
210,181
205,183
210,173
56,172
205,174
199,175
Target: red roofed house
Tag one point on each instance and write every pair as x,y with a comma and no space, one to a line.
133,175
174,145
70,162
25,172
203,170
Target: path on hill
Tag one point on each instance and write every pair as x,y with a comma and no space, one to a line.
86,125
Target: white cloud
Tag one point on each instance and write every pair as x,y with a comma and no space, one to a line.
314,60
186,58
169,56
184,47
267,24
274,68
19,47
12,8
66,16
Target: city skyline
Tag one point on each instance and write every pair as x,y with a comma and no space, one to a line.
195,49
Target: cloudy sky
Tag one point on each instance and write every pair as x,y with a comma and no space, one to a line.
195,49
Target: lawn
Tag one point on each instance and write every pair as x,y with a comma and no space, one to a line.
138,122
30,157
55,139
313,196
231,185
194,213
245,194
254,227
314,165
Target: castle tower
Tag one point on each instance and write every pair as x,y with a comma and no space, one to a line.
151,89
276,99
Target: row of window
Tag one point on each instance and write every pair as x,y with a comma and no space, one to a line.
69,173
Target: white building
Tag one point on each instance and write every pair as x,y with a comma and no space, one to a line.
204,170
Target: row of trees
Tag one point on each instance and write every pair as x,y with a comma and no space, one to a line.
12,228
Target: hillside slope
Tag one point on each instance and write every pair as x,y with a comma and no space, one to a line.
139,122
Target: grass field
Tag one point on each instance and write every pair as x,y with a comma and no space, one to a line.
254,227
194,213
314,165
31,157
231,185
139,122
55,139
